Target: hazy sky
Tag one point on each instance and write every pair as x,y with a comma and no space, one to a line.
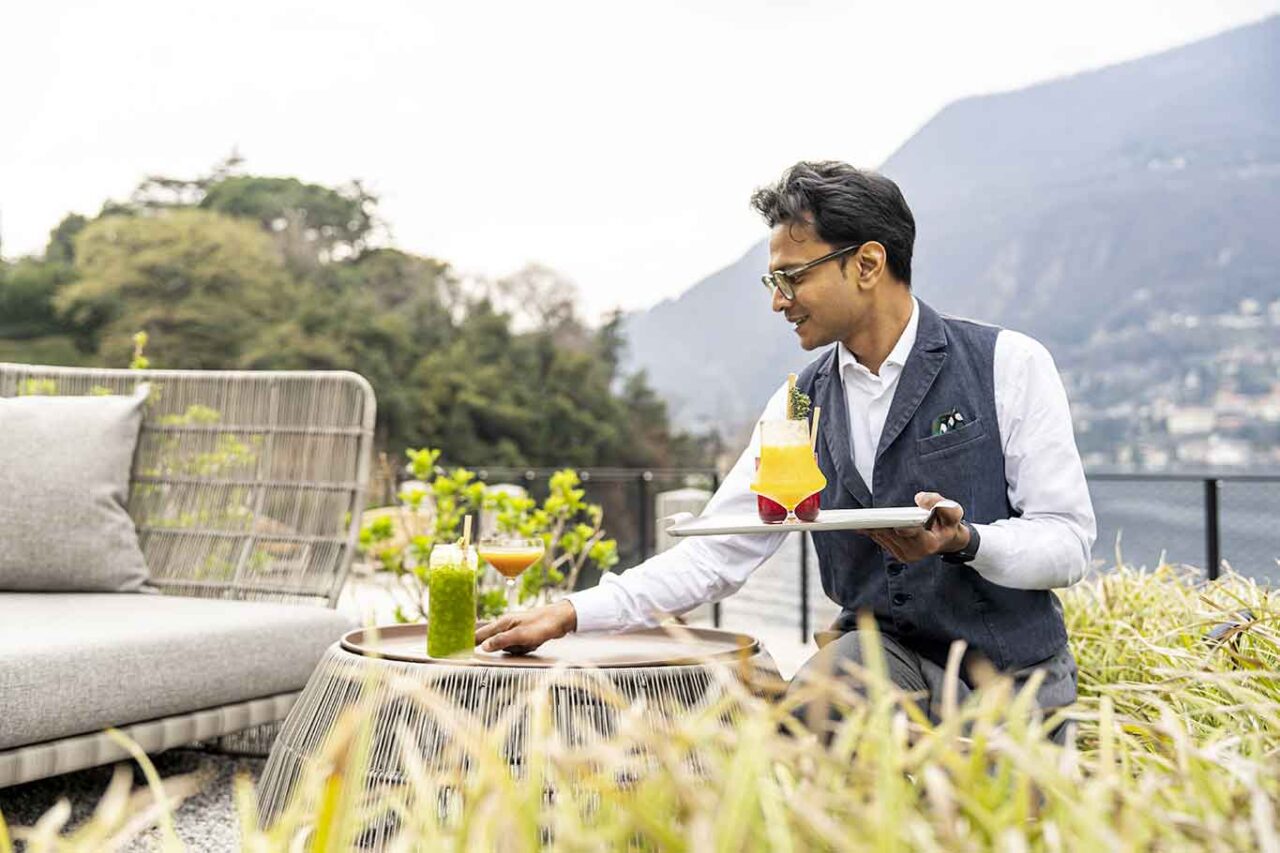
616,143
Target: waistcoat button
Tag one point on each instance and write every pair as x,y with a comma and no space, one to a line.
896,568
901,598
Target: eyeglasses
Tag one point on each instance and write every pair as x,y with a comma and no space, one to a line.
785,280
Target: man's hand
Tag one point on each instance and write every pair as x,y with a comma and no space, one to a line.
522,632
908,544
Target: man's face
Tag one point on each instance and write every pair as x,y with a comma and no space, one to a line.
826,301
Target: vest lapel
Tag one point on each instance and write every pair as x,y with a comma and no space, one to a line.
923,365
829,394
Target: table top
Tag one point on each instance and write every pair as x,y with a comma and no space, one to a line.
676,646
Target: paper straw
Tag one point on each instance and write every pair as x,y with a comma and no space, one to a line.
466,533
813,429
791,393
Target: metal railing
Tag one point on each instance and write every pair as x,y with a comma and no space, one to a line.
1262,545
627,495
1186,516
1210,484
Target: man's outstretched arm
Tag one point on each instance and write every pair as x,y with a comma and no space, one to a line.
699,570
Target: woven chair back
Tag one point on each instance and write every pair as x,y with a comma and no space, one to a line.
245,484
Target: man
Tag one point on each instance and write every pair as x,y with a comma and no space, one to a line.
916,408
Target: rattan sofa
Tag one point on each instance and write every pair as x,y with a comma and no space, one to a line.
246,490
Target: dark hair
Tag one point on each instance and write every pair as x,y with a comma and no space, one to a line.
846,206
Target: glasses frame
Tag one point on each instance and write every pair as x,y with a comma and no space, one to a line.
784,280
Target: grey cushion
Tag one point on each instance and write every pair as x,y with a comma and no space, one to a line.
64,480
72,663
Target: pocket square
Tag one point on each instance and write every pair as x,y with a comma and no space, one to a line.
949,421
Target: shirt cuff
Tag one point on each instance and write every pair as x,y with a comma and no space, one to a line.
992,558
597,609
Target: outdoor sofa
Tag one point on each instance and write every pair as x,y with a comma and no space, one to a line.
245,492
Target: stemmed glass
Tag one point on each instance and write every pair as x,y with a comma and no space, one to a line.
788,473
510,556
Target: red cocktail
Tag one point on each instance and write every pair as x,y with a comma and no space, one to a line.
772,512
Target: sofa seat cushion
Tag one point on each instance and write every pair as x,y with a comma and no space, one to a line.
72,663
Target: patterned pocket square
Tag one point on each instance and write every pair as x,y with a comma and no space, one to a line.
949,421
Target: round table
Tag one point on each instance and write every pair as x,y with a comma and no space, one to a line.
587,679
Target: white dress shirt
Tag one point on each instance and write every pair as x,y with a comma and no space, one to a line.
1047,546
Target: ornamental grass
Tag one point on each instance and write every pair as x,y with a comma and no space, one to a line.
1174,747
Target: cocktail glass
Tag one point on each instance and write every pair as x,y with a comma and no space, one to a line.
788,472
451,601
509,557
772,512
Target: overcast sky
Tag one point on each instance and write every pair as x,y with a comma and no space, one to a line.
615,142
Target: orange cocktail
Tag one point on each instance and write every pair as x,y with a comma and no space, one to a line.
788,473
510,557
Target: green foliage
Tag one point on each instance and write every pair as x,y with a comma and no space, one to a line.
49,349
571,529
37,388
1175,750
62,240
27,291
202,285
228,270
313,222
139,360
800,405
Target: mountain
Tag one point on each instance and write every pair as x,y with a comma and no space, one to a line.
1079,210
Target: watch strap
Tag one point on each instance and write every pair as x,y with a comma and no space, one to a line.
969,551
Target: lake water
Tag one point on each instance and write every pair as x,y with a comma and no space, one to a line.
1142,520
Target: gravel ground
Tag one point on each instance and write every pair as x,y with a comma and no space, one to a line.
206,822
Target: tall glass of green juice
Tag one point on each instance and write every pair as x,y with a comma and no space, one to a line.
451,601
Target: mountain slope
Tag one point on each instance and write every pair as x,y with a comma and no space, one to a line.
1080,207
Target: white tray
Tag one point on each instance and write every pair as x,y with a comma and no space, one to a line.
877,518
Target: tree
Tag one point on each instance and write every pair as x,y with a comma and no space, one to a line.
27,289
313,224
61,247
536,297
236,270
201,284
375,314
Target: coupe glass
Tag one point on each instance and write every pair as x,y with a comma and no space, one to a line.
510,556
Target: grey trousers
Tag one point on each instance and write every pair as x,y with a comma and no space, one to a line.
920,675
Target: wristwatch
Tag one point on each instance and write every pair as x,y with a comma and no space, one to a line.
969,551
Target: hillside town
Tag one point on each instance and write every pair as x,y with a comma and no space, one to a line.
1181,392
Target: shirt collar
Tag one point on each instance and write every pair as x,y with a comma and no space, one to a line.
897,356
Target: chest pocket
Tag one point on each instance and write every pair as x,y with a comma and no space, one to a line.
936,446
952,462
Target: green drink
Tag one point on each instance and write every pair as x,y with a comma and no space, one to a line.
451,602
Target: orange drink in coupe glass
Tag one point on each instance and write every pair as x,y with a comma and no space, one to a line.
509,558
788,473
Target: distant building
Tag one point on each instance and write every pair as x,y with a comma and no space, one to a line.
1191,420
1227,452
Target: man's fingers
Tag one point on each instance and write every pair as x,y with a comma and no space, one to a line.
501,640
926,500
943,510
490,628
522,638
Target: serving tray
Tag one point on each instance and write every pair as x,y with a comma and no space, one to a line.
681,646
875,518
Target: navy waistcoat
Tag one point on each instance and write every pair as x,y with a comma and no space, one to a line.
929,603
